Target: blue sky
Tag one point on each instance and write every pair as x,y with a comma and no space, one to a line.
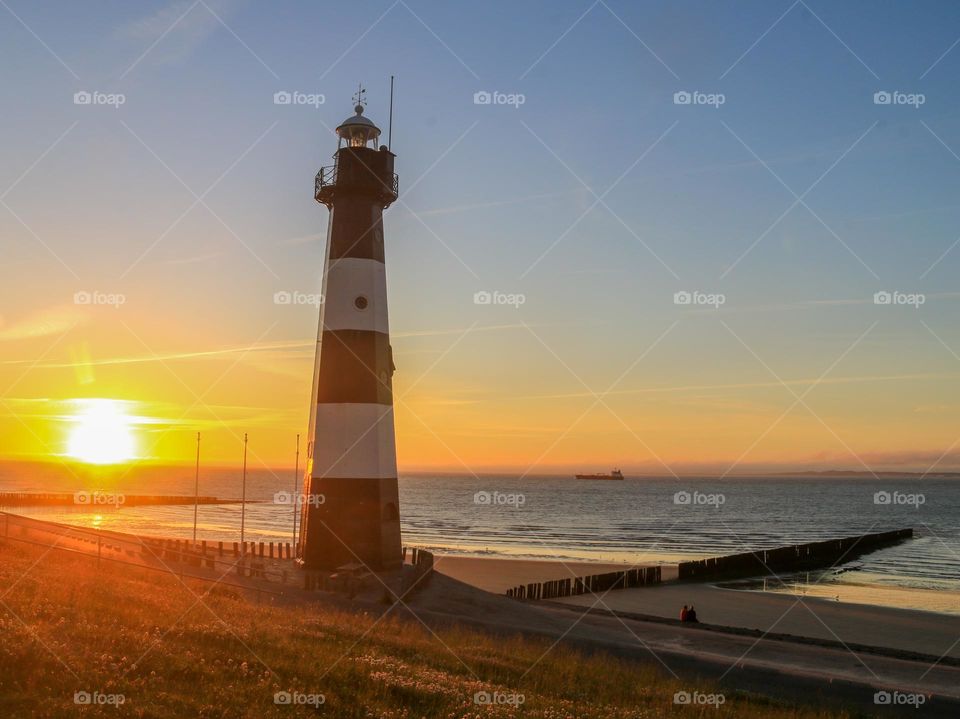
502,198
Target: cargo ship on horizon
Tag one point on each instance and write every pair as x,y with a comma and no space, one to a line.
614,475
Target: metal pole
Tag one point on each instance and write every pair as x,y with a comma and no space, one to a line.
296,492
390,127
243,500
196,491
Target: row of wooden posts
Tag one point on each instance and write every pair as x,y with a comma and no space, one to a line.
18,499
792,558
625,579
419,558
172,547
422,562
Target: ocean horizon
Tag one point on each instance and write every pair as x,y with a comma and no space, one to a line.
636,521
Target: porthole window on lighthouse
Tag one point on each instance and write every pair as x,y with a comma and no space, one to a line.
361,302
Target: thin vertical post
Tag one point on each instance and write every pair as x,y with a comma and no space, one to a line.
390,126
196,491
296,492
243,498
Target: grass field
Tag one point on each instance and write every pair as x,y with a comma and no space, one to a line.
174,650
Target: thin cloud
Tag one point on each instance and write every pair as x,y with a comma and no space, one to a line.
171,356
45,322
302,240
178,29
196,259
499,203
720,387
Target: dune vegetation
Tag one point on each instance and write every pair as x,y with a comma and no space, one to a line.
83,640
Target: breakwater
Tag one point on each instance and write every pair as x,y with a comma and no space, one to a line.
797,557
102,499
625,579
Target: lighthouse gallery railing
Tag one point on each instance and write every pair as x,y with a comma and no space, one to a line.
327,177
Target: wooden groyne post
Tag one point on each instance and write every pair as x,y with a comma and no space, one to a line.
813,555
558,588
796,557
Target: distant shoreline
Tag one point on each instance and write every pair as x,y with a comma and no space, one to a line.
866,475
718,475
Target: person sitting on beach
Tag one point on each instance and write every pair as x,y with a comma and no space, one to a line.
692,614
684,613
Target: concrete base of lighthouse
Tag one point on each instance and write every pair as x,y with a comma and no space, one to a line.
358,521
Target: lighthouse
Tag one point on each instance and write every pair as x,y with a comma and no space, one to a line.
350,511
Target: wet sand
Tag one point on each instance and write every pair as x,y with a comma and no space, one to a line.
909,630
495,574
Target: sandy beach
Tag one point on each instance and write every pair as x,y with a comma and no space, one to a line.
796,670
496,574
907,630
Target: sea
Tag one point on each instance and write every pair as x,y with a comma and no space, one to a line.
645,520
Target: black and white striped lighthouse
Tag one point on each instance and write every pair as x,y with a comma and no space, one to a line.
351,506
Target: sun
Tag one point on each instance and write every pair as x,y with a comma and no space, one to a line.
102,433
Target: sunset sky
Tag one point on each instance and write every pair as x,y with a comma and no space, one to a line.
596,200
